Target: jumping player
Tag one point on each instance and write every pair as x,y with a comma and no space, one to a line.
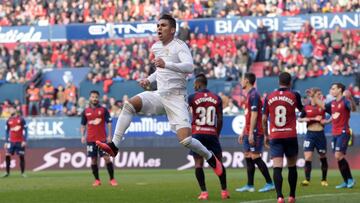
253,136
314,116
15,140
173,62
207,120
280,107
93,121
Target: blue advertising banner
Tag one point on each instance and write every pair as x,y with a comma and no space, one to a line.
62,76
158,126
46,127
32,33
212,26
319,21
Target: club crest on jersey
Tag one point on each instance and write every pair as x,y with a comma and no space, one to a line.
339,106
336,115
99,112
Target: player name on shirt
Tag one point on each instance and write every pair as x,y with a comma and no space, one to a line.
205,99
281,98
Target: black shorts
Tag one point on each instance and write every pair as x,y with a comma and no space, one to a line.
285,146
315,139
211,142
15,147
93,150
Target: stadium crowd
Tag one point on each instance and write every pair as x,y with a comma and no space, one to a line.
41,12
307,53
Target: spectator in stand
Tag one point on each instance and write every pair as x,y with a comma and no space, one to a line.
355,91
5,109
231,109
33,95
114,109
263,41
47,96
220,71
306,48
57,107
70,95
105,101
81,105
17,106
12,76
319,50
225,99
337,40
60,95
184,31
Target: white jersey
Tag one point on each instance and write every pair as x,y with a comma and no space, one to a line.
178,64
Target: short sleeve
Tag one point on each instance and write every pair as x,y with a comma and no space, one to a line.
328,107
265,109
83,118
254,102
107,116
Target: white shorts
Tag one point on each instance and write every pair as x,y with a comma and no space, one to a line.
174,105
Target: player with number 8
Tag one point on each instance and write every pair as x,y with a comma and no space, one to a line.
280,110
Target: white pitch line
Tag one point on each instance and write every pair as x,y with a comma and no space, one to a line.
304,197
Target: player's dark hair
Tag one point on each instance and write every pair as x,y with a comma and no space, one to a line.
94,92
169,18
339,85
250,77
285,79
201,78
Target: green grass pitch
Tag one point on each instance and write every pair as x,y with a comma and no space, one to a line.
150,185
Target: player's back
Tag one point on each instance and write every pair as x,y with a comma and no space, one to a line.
166,78
205,107
281,106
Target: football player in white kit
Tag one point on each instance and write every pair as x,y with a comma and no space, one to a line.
173,62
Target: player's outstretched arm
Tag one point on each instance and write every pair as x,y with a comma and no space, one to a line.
348,96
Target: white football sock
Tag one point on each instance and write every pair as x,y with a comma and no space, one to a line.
123,123
196,146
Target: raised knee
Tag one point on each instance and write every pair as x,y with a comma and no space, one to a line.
186,142
128,107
